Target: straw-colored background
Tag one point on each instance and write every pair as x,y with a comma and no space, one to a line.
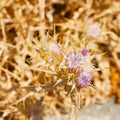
27,28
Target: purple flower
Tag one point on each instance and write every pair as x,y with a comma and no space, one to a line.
84,78
84,52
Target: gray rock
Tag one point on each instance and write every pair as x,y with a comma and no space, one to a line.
107,111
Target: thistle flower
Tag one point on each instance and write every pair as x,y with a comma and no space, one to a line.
75,60
80,62
84,78
93,31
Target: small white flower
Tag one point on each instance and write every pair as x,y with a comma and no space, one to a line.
51,60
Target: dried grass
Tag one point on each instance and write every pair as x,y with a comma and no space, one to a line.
31,75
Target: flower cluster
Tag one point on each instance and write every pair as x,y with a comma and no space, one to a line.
81,63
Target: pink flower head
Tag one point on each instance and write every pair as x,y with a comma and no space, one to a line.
75,61
84,52
93,30
84,78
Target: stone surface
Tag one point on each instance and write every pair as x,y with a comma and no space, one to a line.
107,111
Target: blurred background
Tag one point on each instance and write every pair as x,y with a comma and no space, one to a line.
35,38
